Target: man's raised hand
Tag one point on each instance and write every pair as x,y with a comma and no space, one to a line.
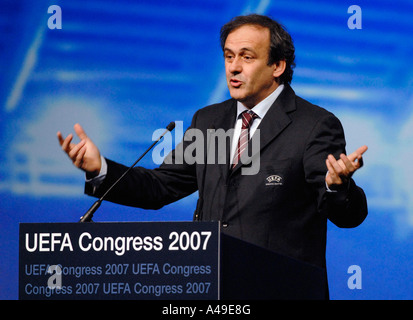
341,170
84,155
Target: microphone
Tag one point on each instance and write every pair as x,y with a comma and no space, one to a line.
87,217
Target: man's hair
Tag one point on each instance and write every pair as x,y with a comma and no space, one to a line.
281,43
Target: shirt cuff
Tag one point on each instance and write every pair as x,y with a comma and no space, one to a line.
97,180
327,188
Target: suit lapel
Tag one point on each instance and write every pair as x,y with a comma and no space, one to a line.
277,118
225,121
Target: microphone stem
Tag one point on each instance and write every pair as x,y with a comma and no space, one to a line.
87,217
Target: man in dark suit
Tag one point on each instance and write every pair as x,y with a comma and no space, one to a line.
304,176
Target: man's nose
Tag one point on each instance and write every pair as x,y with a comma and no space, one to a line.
235,66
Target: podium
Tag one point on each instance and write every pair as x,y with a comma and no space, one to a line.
155,261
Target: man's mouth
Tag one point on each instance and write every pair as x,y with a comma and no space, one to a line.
235,83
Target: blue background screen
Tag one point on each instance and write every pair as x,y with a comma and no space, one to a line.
123,69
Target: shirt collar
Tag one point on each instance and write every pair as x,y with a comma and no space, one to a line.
261,108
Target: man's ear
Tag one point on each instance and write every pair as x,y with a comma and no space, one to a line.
279,68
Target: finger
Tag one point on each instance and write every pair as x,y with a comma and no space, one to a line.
78,161
332,177
360,162
357,153
66,143
80,132
73,153
60,137
339,169
330,169
350,166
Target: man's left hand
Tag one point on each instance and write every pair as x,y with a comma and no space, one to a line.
341,170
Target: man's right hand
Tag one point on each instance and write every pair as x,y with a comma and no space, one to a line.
84,155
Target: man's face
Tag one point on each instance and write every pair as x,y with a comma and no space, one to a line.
249,77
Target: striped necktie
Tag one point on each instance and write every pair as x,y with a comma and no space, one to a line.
247,119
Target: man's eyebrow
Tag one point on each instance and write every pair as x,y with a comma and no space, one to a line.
241,50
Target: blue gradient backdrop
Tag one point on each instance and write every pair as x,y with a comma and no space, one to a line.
126,68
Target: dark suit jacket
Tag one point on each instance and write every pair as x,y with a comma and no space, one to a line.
288,216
